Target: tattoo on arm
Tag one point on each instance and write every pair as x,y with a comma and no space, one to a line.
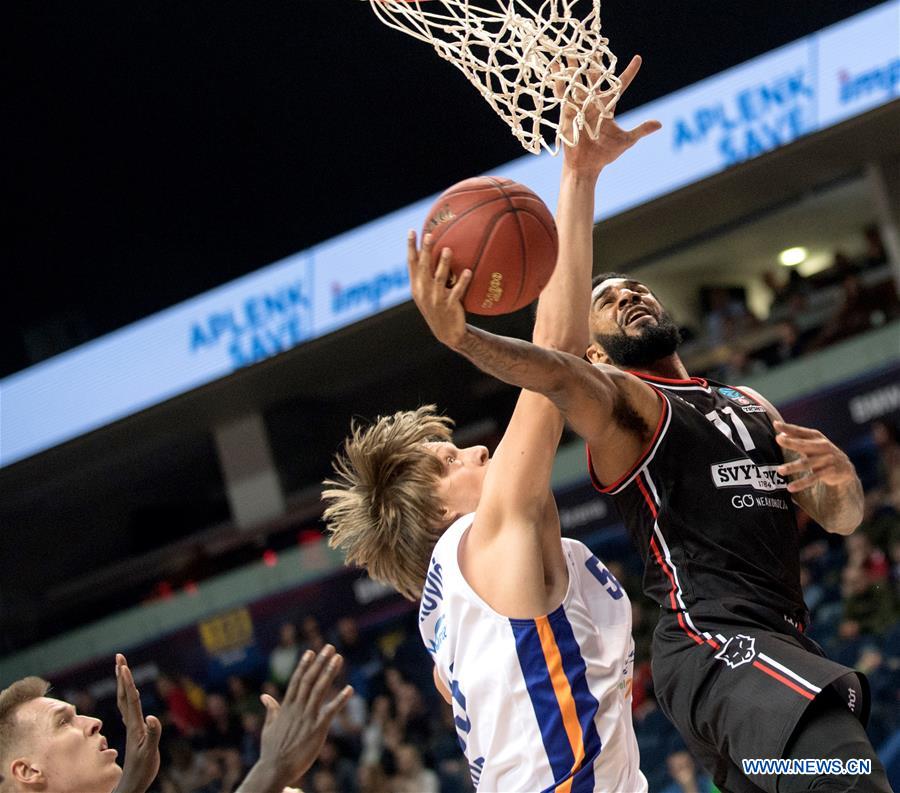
513,361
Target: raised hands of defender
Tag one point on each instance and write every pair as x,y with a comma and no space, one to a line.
295,730
437,295
591,156
817,459
142,735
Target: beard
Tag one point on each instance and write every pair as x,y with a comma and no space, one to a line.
655,341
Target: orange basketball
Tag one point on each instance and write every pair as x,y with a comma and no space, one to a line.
503,233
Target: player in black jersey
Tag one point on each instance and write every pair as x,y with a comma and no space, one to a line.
706,477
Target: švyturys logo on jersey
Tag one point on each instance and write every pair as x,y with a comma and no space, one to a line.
746,473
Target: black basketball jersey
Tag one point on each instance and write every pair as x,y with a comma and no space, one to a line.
709,513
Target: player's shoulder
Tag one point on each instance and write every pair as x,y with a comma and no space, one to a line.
755,395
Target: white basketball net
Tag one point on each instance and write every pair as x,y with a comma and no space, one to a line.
534,66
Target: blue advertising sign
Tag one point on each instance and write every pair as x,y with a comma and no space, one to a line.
766,103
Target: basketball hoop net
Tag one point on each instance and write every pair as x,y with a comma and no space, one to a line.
534,66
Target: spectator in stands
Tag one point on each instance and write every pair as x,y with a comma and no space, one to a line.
243,700
324,781
683,771
412,776
186,771
372,779
789,297
875,254
868,607
372,737
862,553
727,316
283,659
813,592
348,725
363,661
861,309
311,632
331,761
251,724
412,713
841,266
791,344
887,441
894,552
180,711
221,740
642,627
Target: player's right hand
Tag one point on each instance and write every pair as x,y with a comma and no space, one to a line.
437,296
295,730
592,156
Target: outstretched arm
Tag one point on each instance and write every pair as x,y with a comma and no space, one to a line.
612,410
562,309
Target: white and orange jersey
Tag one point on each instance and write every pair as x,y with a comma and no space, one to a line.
540,704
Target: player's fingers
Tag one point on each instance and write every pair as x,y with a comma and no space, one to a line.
305,661
804,445
313,674
814,463
120,686
628,74
127,696
324,683
804,483
154,731
334,706
271,706
442,271
412,253
796,430
461,287
642,130
557,79
425,263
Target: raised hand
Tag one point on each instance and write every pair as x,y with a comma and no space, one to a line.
295,730
437,296
816,459
590,155
142,735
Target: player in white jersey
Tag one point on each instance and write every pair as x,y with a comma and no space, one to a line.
540,703
530,633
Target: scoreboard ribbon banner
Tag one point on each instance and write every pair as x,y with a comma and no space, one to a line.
768,102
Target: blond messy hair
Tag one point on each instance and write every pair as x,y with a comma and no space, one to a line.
383,511
11,733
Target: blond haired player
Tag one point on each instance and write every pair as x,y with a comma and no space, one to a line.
530,633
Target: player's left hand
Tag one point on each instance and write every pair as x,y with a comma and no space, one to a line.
142,735
438,298
591,156
819,459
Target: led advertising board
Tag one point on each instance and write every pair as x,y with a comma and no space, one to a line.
760,105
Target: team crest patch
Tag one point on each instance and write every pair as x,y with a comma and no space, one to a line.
738,650
735,396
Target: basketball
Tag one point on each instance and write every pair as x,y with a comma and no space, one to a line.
503,233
